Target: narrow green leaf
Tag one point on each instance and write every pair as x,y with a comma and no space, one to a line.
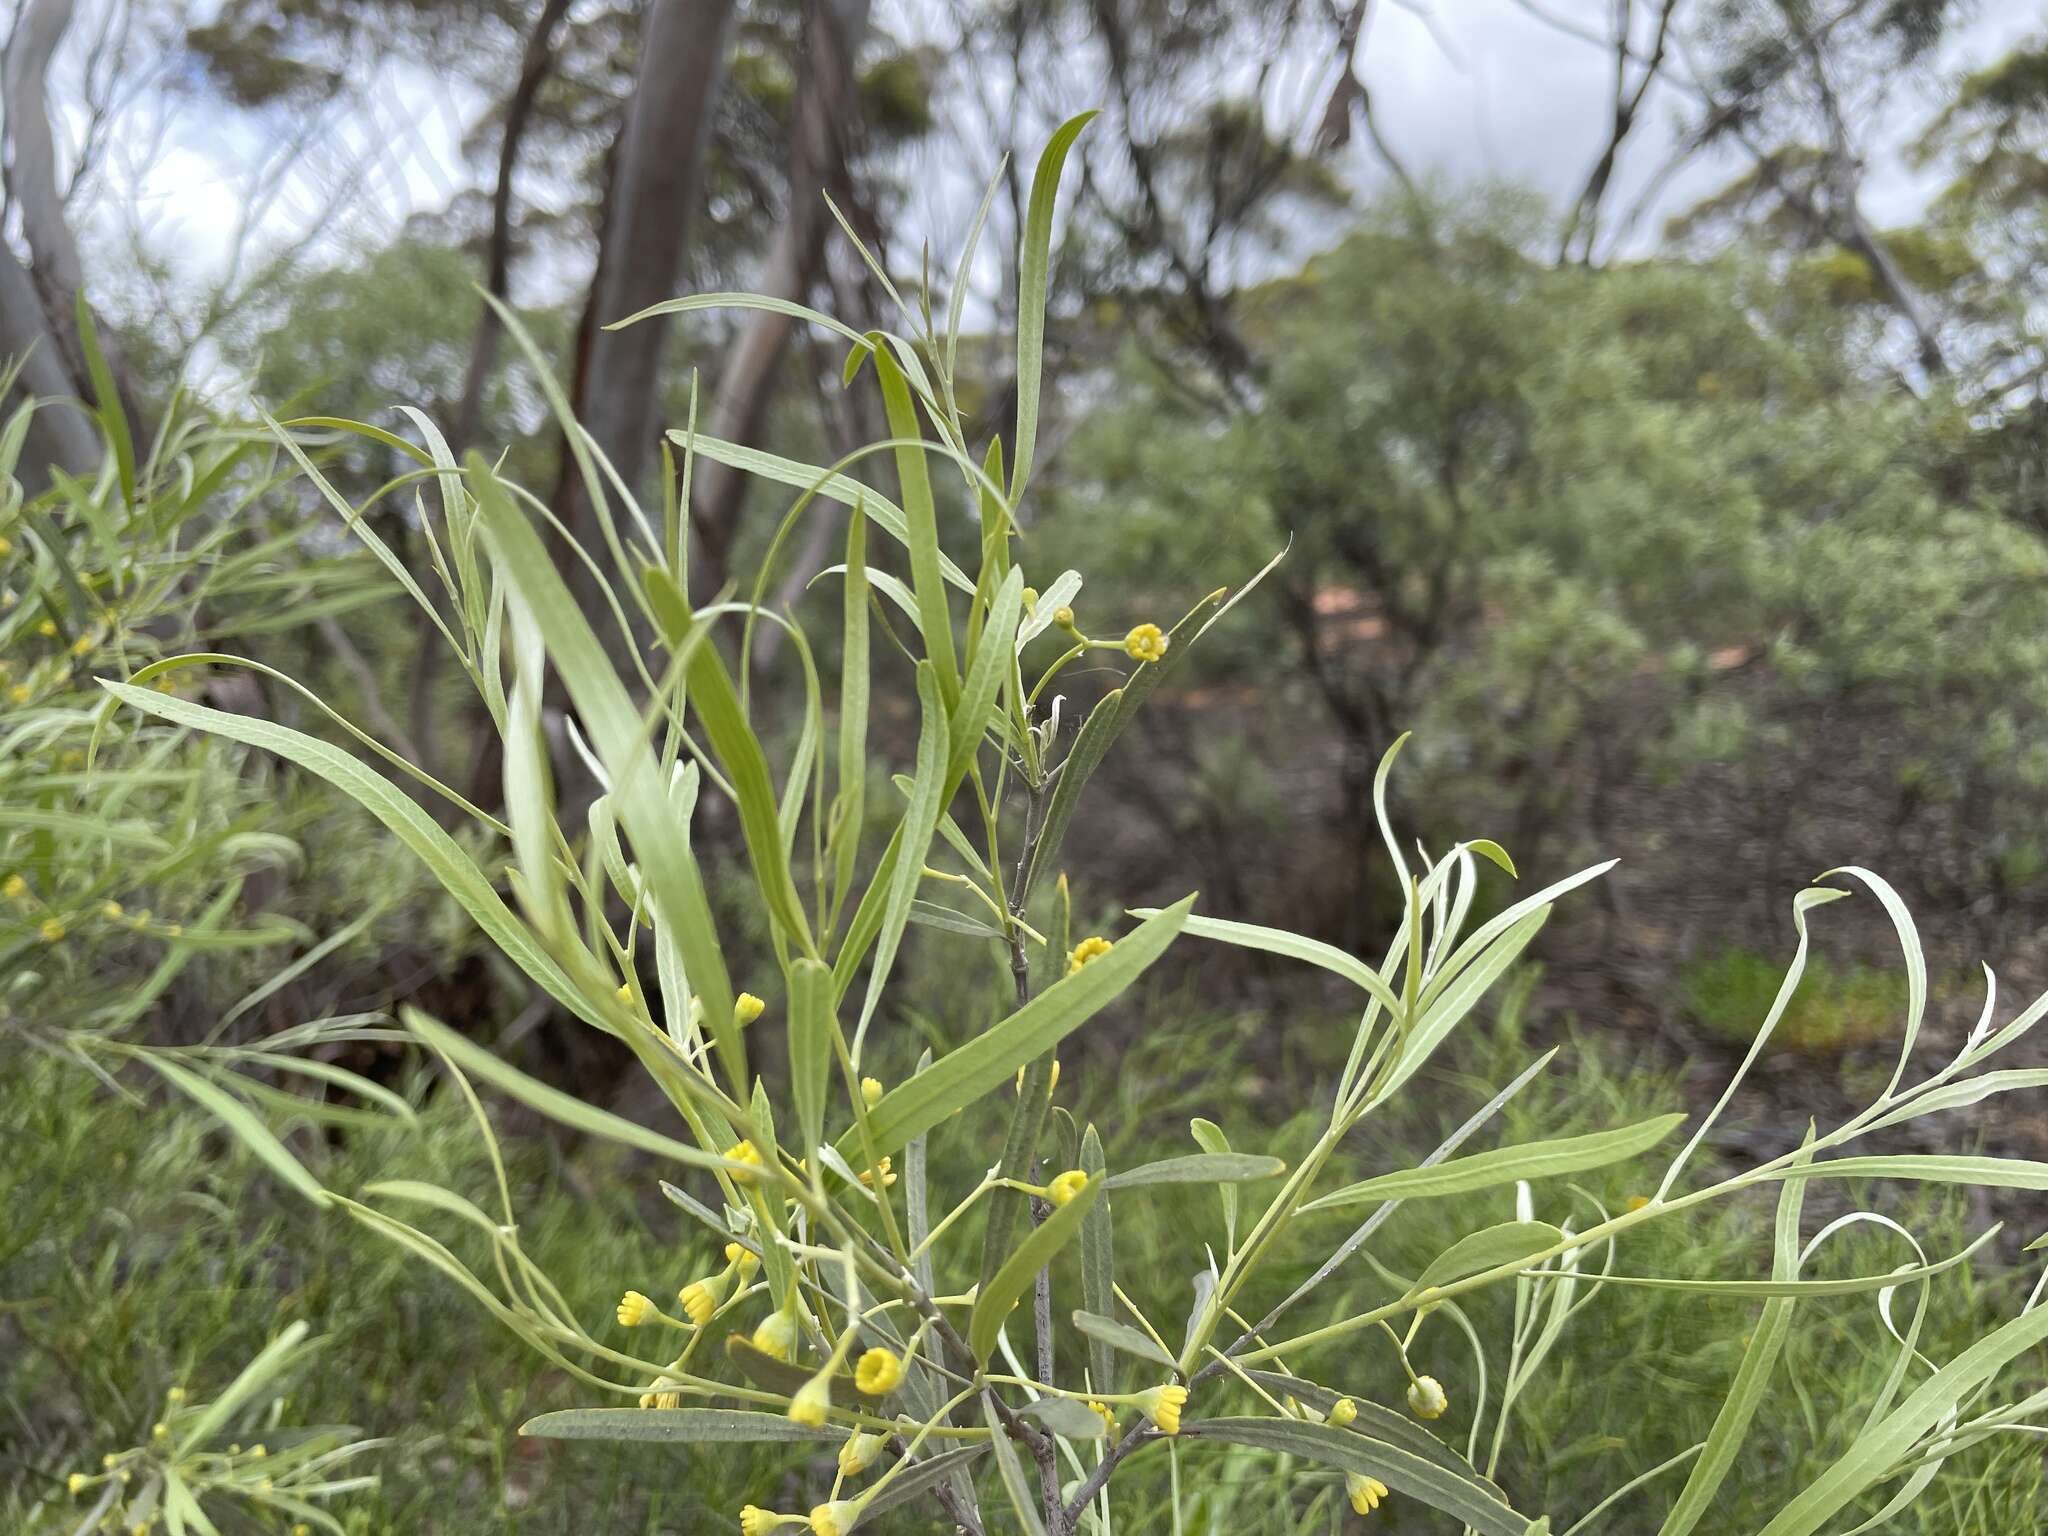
1505,1165
1488,1248
967,1073
921,521
685,1426
1105,1330
810,1047
1020,1150
1439,1018
1292,946
993,1302
1932,1168
1098,1263
1209,1135
563,1108
240,1119
1034,274
920,821
1010,1467
738,749
1200,1168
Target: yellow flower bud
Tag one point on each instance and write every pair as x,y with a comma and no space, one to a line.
1365,1492
1052,1082
1147,642
836,1518
21,693
159,1430
1638,1202
51,929
1088,949
625,993
878,1373
745,1258
47,629
1426,1399
82,646
175,1396
858,1452
744,1152
111,910
6,546
635,1309
1066,1186
701,1298
1162,1405
14,888
813,1399
776,1336
747,1008
1108,1414
1063,617
871,1091
1343,1411
76,1482
755,1521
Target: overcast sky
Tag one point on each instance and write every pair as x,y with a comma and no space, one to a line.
1479,89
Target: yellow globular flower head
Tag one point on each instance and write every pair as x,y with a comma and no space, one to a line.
82,646
76,1482
776,1336
14,888
867,1176
6,546
756,1521
111,910
1364,1492
21,693
1147,642
51,929
302,1529
743,1152
1108,1414
1091,948
1162,1405
635,1309
744,1259
1066,1186
878,1372
159,1430
175,1396
47,629
1426,1399
812,1400
1063,617
858,1452
836,1518
1343,1411
747,1008
871,1091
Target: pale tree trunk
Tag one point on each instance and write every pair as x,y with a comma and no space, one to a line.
824,131
39,303
656,182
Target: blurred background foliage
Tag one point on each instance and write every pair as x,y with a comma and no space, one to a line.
1687,509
